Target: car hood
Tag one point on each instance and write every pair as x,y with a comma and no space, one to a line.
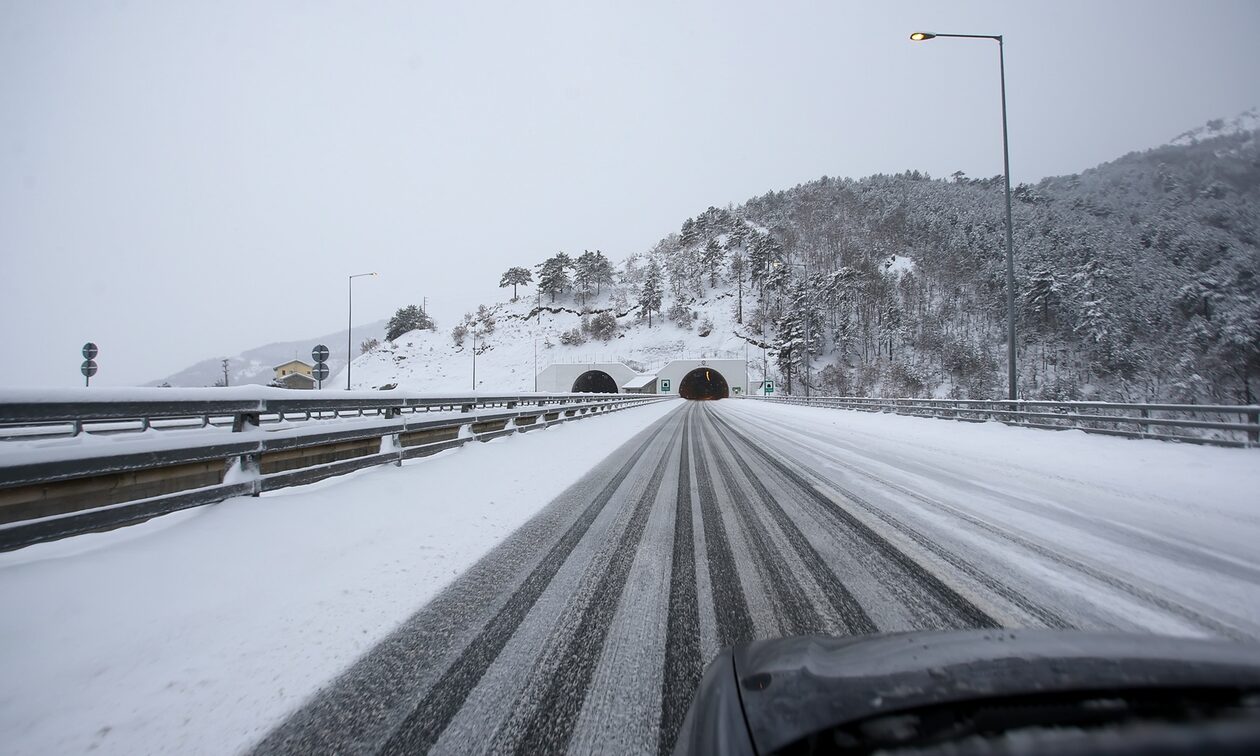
785,689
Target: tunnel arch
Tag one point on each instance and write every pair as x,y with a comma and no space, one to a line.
595,382
703,383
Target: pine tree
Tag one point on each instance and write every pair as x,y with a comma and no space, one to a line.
516,276
1095,323
763,253
690,236
603,271
738,265
585,271
407,319
650,295
711,259
553,275
679,268
1041,296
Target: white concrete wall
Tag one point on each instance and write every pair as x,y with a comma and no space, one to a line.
560,377
734,371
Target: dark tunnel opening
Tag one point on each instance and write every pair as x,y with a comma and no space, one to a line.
595,382
703,383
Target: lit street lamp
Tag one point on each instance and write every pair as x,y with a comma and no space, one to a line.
1006,170
350,323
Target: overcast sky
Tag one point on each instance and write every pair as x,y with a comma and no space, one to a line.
189,179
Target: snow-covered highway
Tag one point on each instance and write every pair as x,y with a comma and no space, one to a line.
563,590
588,629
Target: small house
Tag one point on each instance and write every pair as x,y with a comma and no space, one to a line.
294,374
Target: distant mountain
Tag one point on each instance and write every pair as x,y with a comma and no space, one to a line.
255,365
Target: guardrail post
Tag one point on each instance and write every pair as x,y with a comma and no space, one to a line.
247,467
1253,437
391,442
245,421
1144,429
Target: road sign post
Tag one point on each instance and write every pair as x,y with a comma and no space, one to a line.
320,371
88,368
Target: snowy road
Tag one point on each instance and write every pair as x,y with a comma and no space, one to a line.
587,629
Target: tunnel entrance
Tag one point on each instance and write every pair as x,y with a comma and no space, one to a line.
703,383
595,382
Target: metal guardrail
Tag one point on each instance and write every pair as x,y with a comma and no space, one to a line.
57,488
1168,422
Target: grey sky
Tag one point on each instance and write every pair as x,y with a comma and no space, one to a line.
189,179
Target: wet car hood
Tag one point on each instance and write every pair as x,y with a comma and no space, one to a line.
764,695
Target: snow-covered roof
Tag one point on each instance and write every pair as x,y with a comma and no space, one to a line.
639,381
292,362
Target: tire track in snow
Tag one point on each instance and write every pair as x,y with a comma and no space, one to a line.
795,613
422,727
730,606
683,665
1047,616
966,614
550,727
1152,543
1041,613
842,601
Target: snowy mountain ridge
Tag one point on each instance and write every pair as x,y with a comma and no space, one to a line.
1138,279
1244,122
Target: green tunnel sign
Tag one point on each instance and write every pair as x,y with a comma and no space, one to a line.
664,385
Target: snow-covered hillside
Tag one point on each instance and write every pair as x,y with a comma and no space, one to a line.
1246,121
432,361
1135,280
528,335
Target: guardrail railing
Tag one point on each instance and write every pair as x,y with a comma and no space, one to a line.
1216,424
77,461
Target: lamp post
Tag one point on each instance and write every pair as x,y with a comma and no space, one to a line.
350,322
1006,171
765,363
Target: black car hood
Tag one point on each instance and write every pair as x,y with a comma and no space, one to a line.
786,689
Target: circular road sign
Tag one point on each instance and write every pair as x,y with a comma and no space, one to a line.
320,353
90,351
88,367
320,372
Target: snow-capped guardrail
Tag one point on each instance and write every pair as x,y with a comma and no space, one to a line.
1191,423
77,460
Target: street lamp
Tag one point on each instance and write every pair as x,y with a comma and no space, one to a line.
350,323
1010,240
